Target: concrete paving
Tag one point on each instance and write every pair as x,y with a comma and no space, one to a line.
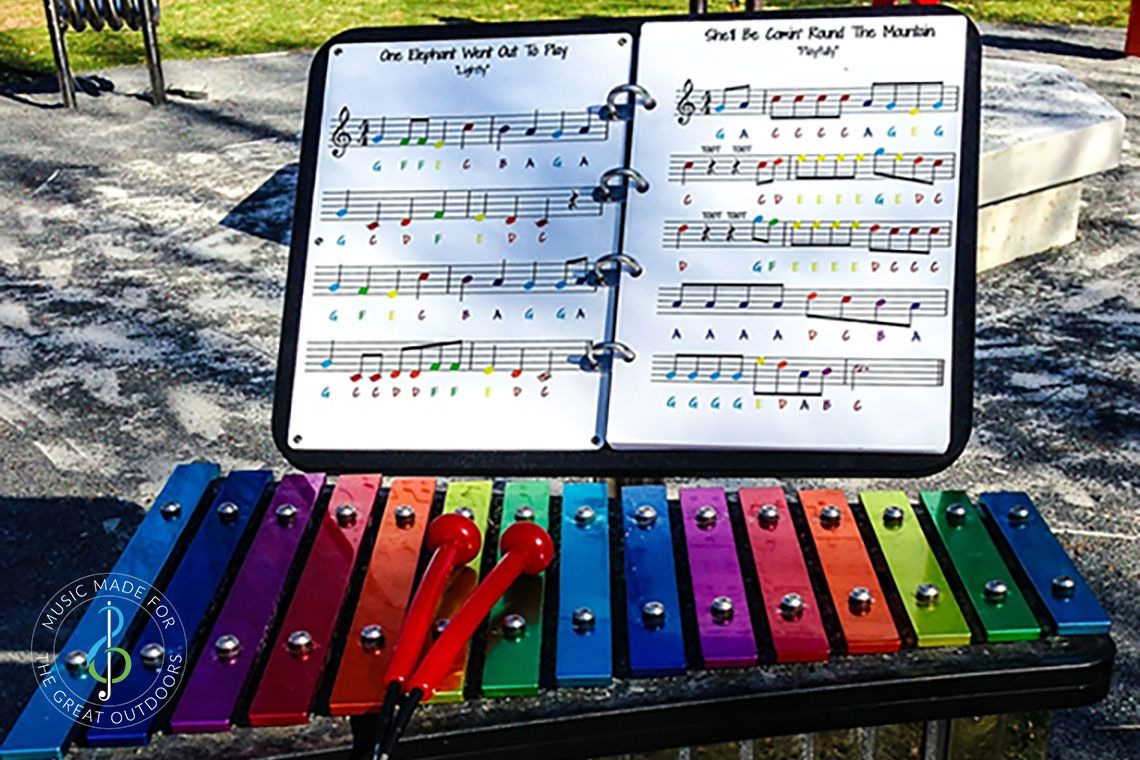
142,261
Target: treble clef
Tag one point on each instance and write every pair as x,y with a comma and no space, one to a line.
340,137
685,106
104,645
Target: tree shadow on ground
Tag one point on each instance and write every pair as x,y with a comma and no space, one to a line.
267,212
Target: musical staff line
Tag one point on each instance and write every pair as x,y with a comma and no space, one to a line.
349,132
814,102
796,376
766,168
458,280
509,204
893,236
376,360
879,306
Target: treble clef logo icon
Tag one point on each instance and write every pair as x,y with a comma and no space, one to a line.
685,106
340,136
104,644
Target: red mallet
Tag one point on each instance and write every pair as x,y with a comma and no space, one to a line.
526,549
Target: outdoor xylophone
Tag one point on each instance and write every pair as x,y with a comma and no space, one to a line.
659,623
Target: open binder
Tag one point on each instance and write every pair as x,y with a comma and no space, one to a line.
681,245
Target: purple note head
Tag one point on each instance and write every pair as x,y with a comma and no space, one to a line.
881,303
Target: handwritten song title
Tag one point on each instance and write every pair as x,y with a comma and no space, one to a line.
826,38
474,60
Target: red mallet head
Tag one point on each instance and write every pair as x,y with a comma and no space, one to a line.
459,531
530,541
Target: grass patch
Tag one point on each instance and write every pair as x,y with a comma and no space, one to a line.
207,28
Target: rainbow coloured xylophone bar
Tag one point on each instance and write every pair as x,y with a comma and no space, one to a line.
686,614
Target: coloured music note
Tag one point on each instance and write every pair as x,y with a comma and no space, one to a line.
342,212
417,131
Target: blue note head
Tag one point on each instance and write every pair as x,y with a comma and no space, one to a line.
560,285
334,287
758,218
670,375
326,363
715,376
880,151
342,212
693,375
737,375
556,134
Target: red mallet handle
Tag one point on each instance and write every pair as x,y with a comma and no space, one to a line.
527,550
454,541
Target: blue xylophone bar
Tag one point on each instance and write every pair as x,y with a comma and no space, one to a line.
584,648
42,730
653,609
1069,600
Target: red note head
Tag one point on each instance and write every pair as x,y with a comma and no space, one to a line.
534,542
424,275
458,530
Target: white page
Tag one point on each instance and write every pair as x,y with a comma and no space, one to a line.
421,332
750,107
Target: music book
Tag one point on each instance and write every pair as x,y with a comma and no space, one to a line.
671,245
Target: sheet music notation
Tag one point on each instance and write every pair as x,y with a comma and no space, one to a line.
766,168
377,360
814,102
893,236
897,307
456,280
793,375
349,132
508,204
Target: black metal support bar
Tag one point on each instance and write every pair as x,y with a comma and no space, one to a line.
59,52
153,63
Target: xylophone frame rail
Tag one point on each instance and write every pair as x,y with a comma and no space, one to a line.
846,692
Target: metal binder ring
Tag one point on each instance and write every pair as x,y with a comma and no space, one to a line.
618,260
614,110
608,190
605,348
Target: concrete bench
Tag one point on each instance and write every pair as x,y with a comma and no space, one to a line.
1043,131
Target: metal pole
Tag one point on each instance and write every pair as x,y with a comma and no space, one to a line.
936,740
698,7
153,64
59,52
868,739
751,6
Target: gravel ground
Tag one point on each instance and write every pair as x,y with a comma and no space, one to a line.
141,272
